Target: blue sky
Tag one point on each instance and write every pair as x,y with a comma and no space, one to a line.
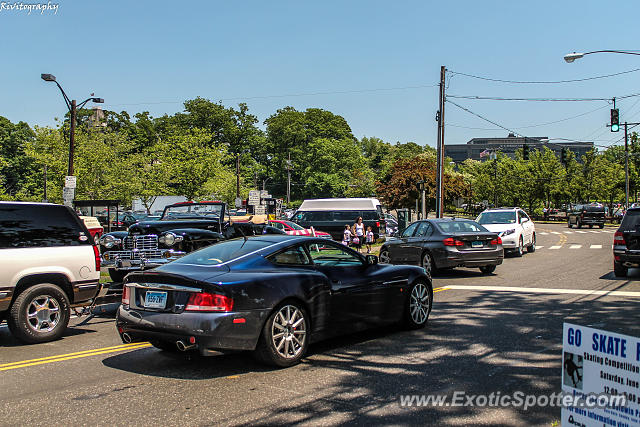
151,56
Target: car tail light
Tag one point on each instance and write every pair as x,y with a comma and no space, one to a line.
125,295
96,254
204,301
450,241
378,224
618,238
496,241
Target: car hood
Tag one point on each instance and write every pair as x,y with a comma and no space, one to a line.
498,228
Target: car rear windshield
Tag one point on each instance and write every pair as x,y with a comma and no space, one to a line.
223,252
506,217
631,220
29,226
460,227
594,208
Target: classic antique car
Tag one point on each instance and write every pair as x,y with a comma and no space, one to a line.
183,227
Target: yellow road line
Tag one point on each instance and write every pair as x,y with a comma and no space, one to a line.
69,356
440,290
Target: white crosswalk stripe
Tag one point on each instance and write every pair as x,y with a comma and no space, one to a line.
539,247
569,232
543,233
555,247
595,247
581,232
593,231
575,246
554,232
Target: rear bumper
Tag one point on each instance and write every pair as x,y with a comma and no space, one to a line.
626,257
212,331
454,258
592,221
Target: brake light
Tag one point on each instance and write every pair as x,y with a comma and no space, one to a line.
618,238
204,301
96,254
496,241
450,241
125,295
378,224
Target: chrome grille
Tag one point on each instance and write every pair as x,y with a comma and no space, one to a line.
142,243
128,255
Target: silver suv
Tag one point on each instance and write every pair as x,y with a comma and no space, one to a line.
48,264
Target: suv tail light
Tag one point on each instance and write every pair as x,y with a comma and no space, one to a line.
125,295
378,224
618,238
450,241
496,241
96,254
204,301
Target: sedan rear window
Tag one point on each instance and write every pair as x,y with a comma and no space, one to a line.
461,227
223,252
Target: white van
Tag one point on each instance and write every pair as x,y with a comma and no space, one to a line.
331,215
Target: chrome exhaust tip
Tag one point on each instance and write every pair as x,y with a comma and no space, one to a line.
184,347
127,338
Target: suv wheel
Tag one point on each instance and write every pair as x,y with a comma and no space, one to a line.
39,314
532,247
578,224
601,225
619,270
520,248
590,225
569,223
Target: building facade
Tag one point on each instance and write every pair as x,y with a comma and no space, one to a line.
478,148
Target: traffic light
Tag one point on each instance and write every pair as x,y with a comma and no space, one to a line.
615,120
525,152
563,156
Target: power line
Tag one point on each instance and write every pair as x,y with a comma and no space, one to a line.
497,98
336,92
544,82
479,116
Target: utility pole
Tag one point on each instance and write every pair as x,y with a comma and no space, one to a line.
626,169
45,184
237,175
289,179
440,147
72,137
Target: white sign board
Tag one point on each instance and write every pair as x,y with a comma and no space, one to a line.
264,194
254,197
238,202
260,210
597,364
68,195
70,181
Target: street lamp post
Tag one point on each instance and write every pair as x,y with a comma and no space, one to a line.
570,57
73,107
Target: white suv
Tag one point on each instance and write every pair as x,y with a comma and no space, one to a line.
514,227
48,264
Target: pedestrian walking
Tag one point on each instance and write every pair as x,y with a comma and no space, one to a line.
346,235
358,233
369,239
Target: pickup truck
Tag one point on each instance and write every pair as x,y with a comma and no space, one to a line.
590,215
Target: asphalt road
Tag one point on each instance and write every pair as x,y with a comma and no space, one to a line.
497,333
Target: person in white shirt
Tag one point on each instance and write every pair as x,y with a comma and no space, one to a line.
358,233
346,236
369,239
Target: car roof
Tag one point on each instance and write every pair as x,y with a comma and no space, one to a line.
448,219
501,209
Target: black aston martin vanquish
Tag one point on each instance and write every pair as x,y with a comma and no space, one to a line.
273,294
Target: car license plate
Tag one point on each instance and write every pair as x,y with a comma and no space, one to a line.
476,244
155,299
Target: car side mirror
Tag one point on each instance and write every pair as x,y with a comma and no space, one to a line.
371,259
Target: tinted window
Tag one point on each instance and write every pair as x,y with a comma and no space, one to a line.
291,256
223,252
334,256
25,226
408,232
462,226
348,217
631,220
314,216
424,229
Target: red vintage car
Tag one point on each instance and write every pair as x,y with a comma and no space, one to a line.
294,229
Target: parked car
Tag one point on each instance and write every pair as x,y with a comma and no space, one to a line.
294,229
331,215
271,294
514,227
445,243
589,214
184,227
48,264
93,225
626,243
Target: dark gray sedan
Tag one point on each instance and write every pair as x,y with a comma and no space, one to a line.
445,243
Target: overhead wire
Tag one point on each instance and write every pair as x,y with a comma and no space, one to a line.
542,81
